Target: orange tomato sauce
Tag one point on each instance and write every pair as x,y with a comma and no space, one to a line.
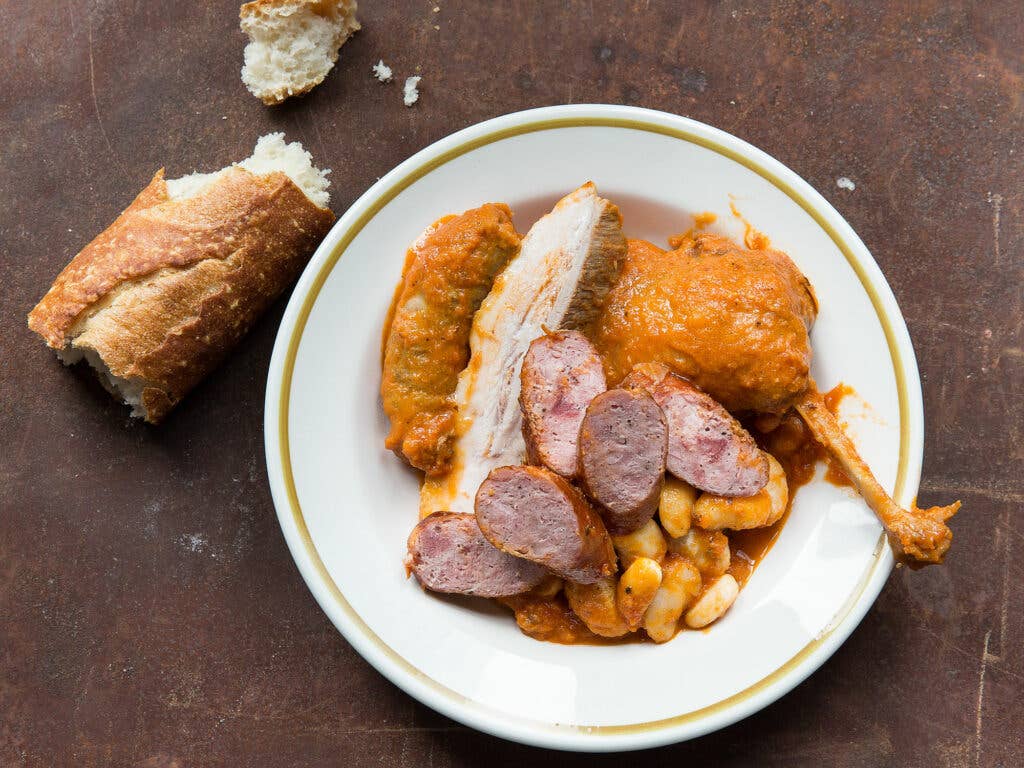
752,238
701,221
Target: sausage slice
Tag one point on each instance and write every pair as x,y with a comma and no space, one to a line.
533,513
561,374
707,447
448,553
623,445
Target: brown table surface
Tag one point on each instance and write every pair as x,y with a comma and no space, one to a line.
150,613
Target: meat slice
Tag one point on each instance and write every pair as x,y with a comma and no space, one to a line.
448,553
623,445
707,447
565,268
561,374
533,513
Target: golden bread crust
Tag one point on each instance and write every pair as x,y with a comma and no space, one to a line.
168,289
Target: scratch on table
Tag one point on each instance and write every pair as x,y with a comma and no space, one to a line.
749,104
22,449
316,133
84,692
301,131
891,192
951,646
677,38
1004,602
96,104
997,206
978,709
944,642
973,490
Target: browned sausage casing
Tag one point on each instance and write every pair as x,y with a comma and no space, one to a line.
533,513
707,447
623,445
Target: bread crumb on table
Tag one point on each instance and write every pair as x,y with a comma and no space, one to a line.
845,183
410,92
382,71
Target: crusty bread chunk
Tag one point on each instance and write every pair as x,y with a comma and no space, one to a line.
157,299
293,44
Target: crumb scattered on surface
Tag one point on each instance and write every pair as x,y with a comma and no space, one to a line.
845,183
195,542
410,92
382,71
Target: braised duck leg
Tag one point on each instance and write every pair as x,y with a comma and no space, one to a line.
918,537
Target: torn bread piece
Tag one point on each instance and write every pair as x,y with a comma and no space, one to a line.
560,279
293,44
157,299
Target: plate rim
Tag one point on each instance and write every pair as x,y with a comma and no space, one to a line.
391,664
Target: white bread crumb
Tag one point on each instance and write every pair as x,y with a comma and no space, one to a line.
382,71
270,154
410,93
293,44
845,183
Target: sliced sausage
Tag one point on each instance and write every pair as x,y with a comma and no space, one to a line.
533,513
561,374
623,444
448,553
707,447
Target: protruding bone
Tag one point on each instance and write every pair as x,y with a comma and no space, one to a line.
918,537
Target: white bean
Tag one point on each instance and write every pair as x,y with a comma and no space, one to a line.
676,506
708,550
646,541
596,606
743,512
680,584
637,587
548,588
716,600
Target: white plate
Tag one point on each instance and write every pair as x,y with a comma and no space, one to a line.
346,505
